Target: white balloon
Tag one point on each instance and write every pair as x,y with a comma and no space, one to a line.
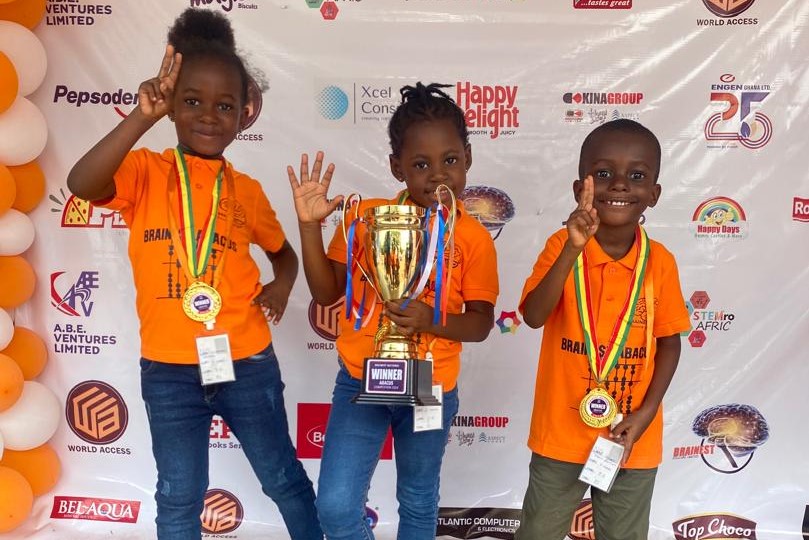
6,329
16,232
1,446
27,54
23,132
32,420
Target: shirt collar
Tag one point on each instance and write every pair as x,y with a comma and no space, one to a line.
596,255
212,164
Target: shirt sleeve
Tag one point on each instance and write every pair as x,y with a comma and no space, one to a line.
129,181
267,230
480,281
546,258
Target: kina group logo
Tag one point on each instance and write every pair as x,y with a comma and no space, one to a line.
222,513
720,217
738,122
96,413
75,212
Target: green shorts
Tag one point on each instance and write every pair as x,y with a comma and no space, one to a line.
555,491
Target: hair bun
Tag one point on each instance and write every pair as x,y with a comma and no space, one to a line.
201,25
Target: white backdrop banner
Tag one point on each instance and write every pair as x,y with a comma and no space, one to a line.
723,83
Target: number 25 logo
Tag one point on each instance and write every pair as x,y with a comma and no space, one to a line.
755,130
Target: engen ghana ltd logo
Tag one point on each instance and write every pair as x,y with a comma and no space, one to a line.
78,213
489,109
706,320
591,108
729,436
75,12
96,413
325,321
737,120
94,509
800,209
720,217
714,527
602,4
727,13
491,206
222,513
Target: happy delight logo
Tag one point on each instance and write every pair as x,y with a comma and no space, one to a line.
97,414
222,513
714,527
78,213
726,13
489,109
738,120
729,436
491,206
325,321
720,217
95,509
704,320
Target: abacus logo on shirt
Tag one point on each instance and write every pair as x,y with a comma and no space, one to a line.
222,513
74,12
97,414
489,109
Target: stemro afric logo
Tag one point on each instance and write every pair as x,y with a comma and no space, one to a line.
730,435
706,320
719,217
74,298
491,206
489,109
714,527
739,122
96,412
222,513
75,212
332,102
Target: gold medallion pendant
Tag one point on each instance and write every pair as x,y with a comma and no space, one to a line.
201,302
598,409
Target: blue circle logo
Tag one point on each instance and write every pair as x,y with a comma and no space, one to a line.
332,102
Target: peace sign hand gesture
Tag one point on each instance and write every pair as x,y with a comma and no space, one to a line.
155,95
583,221
310,194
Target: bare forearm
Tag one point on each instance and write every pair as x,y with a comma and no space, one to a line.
325,285
284,266
471,326
91,178
540,302
666,359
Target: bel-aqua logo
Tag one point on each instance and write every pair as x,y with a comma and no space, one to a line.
720,217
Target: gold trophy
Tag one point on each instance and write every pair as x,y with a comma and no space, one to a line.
395,255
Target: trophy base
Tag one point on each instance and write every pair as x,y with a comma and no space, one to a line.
397,381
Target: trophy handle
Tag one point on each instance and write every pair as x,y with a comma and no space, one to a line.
355,199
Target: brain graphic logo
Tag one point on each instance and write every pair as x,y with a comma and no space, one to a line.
222,514
332,103
736,429
96,412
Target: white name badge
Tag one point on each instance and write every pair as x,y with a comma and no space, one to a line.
603,464
428,417
215,360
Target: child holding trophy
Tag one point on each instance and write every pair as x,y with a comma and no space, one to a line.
612,310
192,218
429,148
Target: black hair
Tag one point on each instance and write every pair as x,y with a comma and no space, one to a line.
420,104
622,125
202,33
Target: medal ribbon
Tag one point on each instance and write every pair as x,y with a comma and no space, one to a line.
601,365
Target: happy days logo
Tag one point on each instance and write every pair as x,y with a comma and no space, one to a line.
719,217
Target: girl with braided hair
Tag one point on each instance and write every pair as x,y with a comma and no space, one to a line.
429,147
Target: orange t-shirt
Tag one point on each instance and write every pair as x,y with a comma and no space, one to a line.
564,378
474,278
167,334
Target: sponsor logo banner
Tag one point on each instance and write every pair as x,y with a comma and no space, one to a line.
714,526
115,510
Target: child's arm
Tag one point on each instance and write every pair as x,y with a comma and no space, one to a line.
326,278
581,226
474,324
91,178
634,425
275,294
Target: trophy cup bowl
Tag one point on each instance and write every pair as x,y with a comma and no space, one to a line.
394,245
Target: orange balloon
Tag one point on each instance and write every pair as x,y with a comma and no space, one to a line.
25,12
18,281
30,183
11,380
28,350
8,188
16,499
40,466
9,83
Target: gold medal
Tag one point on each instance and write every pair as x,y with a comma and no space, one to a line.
201,302
598,409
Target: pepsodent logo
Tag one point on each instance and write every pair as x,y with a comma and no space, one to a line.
489,109
325,321
720,217
222,513
96,413
491,206
78,213
727,13
738,122
730,435
75,12
714,527
94,509
602,4
706,320
63,94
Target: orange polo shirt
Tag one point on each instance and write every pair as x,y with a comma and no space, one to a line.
564,378
167,334
474,278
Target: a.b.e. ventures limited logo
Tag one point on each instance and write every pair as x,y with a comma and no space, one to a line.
325,321
800,209
726,13
94,509
78,213
222,513
738,122
602,4
75,12
714,527
719,217
730,433
73,297
97,414
706,320
491,206
489,109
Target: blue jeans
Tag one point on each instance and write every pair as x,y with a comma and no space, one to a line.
180,411
354,437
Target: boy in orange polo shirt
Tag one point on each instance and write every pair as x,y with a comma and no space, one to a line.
612,311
